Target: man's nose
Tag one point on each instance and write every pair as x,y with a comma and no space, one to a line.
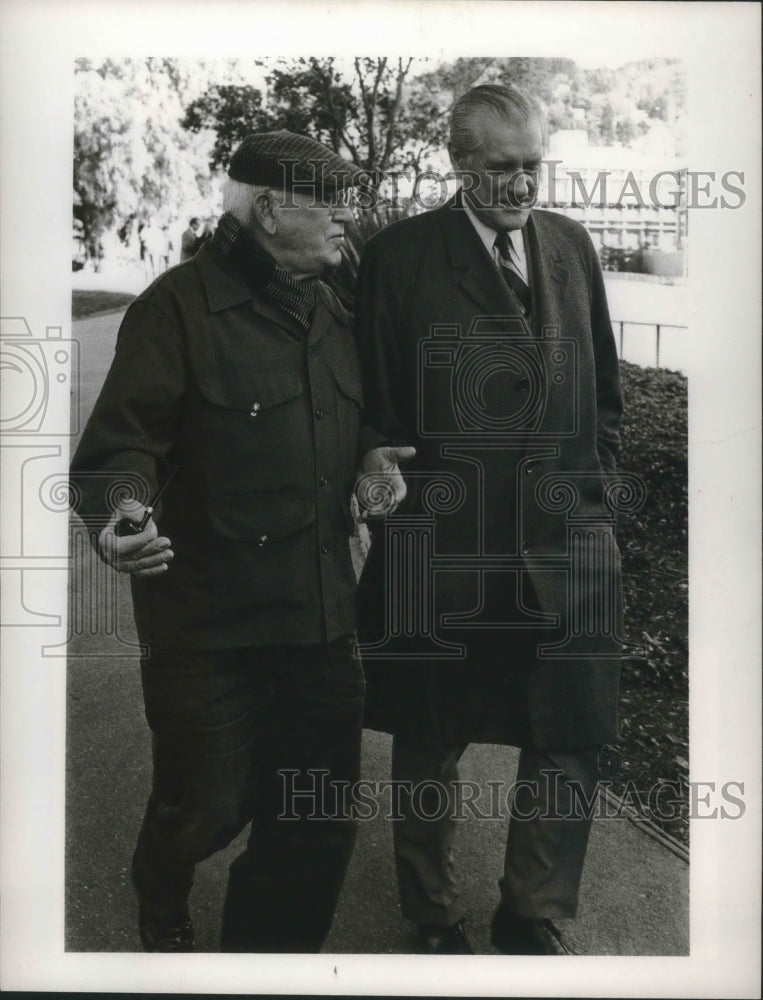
341,213
521,186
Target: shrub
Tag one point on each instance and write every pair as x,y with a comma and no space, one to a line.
653,540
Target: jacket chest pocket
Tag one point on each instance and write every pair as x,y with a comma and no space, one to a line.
253,431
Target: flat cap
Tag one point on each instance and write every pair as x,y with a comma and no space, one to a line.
286,160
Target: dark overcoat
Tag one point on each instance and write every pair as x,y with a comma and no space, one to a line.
489,605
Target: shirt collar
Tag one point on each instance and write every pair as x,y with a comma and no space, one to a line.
488,235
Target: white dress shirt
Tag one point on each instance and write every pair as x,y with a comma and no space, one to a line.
488,235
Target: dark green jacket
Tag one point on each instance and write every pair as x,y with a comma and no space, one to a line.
261,423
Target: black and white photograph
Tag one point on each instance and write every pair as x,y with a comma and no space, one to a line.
381,481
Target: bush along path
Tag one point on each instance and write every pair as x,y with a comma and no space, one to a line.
653,746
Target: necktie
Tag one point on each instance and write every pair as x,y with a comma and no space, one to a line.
510,273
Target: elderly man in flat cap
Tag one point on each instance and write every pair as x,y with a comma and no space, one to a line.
235,393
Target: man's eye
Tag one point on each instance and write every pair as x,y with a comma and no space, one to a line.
342,199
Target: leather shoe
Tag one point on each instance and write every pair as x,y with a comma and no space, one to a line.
173,933
437,940
513,935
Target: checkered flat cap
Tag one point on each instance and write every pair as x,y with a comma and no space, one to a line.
289,161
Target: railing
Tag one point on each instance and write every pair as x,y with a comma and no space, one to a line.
657,327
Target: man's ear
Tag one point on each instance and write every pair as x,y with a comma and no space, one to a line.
456,161
263,213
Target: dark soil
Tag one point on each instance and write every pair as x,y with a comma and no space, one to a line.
654,738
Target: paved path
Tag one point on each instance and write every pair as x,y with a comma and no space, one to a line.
635,892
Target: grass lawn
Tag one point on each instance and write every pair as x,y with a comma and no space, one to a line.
87,302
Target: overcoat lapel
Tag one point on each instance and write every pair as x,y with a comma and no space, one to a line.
549,275
478,276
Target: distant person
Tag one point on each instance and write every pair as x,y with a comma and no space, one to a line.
207,231
188,240
166,248
154,245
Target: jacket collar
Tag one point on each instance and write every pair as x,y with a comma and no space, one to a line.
225,288
223,285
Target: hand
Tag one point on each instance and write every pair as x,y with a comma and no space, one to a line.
380,487
143,554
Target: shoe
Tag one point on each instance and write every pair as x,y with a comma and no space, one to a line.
513,935
450,940
166,933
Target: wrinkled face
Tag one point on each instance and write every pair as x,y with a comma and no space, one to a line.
502,175
309,233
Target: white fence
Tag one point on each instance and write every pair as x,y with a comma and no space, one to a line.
652,345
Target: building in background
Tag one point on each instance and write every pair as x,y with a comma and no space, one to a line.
631,200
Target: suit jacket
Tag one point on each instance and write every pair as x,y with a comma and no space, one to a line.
490,602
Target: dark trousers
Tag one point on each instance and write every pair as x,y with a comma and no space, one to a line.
547,839
260,736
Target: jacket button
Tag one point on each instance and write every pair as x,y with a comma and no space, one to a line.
523,385
324,548
318,414
261,540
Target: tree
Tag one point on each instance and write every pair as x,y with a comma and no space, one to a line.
369,110
132,161
230,112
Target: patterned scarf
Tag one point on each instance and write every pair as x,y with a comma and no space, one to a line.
297,298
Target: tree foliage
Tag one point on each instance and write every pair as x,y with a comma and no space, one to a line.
370,111
132,160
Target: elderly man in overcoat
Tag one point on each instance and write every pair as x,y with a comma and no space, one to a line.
235,393
489,603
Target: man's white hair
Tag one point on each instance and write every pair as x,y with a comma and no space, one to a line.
238,199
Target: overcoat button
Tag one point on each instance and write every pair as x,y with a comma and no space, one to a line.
324,548
255,409
261,540
323,481
318,414
525,549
